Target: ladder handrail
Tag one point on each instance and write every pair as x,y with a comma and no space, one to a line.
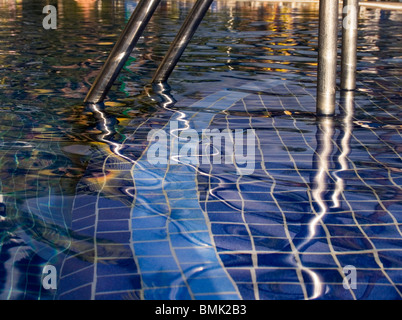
129,37
122,50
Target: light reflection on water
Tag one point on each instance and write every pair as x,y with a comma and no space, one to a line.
267,227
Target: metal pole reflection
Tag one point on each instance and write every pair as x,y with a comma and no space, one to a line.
321,165
324,171
325,133
347,107
106,124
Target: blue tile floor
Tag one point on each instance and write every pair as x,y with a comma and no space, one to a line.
322,195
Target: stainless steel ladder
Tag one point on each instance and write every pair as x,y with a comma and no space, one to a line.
129,37
327,49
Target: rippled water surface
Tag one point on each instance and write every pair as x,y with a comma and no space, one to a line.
308,198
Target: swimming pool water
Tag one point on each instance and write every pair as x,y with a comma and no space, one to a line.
321,200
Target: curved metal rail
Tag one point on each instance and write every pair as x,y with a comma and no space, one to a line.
122,50
129,37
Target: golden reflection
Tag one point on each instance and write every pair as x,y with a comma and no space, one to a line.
280,26
9,10
87,7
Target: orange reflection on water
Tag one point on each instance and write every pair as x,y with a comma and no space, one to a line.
87,7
